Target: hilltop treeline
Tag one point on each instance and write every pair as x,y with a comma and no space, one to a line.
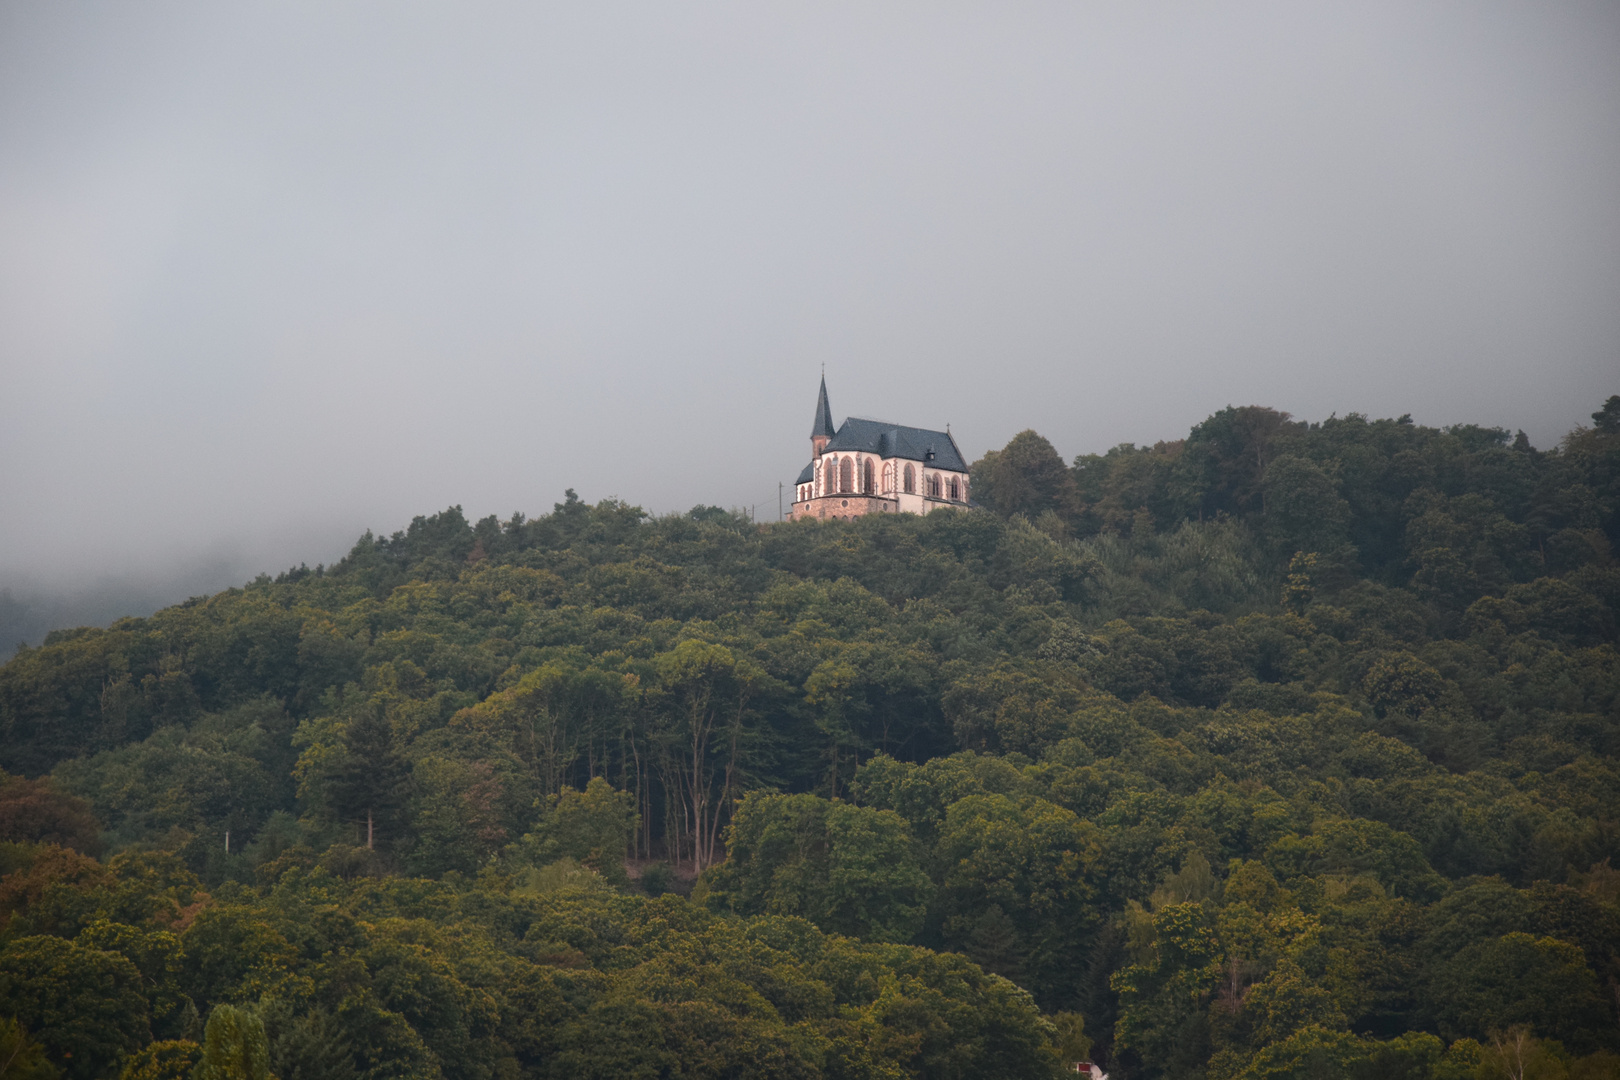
1282,750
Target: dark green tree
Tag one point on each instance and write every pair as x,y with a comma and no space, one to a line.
849,869
368,783
84,1005
1027,477
594,827
1607,419
311,1046
21,1058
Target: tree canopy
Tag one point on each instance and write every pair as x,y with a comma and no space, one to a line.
1284,749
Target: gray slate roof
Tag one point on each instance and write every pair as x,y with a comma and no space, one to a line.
893,441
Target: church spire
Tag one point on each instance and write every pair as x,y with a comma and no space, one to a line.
823,424
822,429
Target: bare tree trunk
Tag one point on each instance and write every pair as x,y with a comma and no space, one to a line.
625,759
677,806
698,790
702,721
726,787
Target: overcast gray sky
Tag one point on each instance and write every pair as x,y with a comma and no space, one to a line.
271,274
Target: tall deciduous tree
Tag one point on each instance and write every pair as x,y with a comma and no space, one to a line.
1223,465
1304,511
1027,476
710,692
594,827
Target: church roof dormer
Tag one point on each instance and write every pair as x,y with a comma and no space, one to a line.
823,424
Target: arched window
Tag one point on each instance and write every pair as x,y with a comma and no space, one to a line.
911,480
846,476
933,485
955,494
868,477
829,476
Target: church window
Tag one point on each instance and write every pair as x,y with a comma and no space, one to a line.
933,486
911,480
868,481
954,493
829,476
846,475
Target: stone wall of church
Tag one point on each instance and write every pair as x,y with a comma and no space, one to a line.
845,485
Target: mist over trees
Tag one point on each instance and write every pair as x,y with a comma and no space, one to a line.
1286,749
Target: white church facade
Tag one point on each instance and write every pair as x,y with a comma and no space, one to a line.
870,467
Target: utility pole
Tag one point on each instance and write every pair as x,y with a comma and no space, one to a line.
779,500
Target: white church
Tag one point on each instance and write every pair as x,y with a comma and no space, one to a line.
870,467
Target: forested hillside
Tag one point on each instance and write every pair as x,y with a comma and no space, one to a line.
1281,750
